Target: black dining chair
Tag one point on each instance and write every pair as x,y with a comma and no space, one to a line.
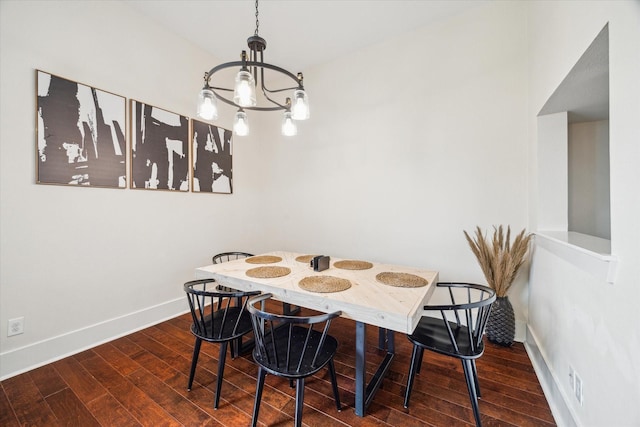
217,318
237,346
230,256
457,331
226,257
292,347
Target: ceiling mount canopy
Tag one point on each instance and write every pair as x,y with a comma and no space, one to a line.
251,76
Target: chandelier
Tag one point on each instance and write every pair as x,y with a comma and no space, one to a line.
251,75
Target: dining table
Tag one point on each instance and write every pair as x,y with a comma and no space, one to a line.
386,296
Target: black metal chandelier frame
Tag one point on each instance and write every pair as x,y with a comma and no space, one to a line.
257,45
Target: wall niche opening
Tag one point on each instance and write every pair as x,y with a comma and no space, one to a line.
573,162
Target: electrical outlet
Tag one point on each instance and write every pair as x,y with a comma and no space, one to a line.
578,388
15,326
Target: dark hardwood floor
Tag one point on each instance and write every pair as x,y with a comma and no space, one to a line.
141,379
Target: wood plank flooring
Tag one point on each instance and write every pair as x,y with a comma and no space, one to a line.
140,380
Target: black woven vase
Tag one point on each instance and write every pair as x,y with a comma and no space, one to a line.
501,326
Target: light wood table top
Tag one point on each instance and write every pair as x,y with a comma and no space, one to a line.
367,300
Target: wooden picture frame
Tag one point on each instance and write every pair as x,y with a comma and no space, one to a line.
80,134
159,148
212,158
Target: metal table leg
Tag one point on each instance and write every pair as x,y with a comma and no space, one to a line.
364,391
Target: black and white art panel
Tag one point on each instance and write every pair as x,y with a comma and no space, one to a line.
80,134
212,150
159,148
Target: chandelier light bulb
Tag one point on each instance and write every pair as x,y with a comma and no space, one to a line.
300,108
241,124
289,127
244,93
207,105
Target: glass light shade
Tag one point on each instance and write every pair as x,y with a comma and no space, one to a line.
300,107
244,92
289,127
207,105
241,124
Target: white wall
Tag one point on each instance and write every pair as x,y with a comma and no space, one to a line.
82,265
574,318
552,161
589,196
410,143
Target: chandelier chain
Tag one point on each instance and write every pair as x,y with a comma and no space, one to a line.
257,21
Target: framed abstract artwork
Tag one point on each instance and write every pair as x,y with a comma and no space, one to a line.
212,152
80,134
159,148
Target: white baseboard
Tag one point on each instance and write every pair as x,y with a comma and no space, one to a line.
562,412
23,359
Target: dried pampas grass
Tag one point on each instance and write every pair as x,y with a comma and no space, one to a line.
499,259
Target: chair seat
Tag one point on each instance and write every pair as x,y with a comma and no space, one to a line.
299,334
431,333
215,335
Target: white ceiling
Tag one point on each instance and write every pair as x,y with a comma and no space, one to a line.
300,33
304,33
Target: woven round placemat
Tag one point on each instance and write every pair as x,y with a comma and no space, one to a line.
401,280
263,259
306,259
350,264
268,272
324,284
